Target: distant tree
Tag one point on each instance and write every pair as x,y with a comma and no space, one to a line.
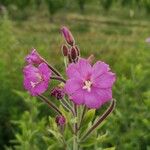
22,4
146,4
37,3
81,4
106,4
5,2
126,2
54,6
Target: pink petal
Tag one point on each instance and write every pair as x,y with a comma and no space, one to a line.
73,71
27,84
99,68
78,97
39,89
92,100
106,80
73,85
29,70
85,68
105,95
44,70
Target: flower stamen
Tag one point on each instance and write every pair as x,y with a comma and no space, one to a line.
39,80
87,85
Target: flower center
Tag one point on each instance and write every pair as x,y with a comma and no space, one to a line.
87,85
38,80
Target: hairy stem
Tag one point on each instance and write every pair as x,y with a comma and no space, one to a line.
75,144
69,106
50,104
75,139
58,78
82,117
75,124
100,119
64,105
55,71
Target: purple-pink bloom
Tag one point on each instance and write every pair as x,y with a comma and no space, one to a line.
34,57
36,79
89,85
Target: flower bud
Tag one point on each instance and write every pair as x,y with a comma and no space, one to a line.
65,50
60,120
58,92
91,59
78,50
73,53
34,57
68,36
69,58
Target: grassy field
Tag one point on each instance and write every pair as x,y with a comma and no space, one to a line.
115,39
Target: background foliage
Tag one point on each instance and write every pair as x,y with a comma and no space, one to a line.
113,30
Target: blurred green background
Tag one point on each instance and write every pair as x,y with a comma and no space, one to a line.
113,30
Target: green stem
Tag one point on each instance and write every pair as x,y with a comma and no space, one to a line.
64,105
55,71
69,106
75,139
100,119
75,143
50,104
82,117
58,78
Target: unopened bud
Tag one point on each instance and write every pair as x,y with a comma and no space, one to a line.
65,50
60,120
68,36
69,58
58,92
78,50
34,57
91,59
73,53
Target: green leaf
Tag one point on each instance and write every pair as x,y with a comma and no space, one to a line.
102,138
57,135
89,142
89,116
74,120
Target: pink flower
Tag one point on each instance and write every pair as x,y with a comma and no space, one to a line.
36,79
89,85
68,36
34,57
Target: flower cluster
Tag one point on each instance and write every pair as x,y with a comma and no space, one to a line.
87,85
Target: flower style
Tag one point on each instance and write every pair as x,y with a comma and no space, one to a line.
36,79
34,57
89,85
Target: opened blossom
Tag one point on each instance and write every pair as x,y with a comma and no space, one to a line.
34,57
36,79
89,85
